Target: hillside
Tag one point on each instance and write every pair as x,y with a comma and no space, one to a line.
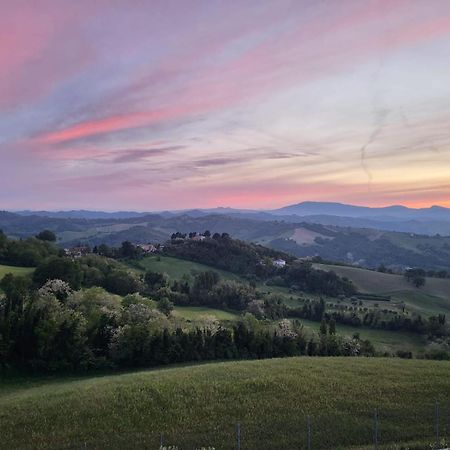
217,276
176,268
368,247
198,406
383,340
433,298
341,209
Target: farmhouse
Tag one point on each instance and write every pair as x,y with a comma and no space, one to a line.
147,248
279,262
77,252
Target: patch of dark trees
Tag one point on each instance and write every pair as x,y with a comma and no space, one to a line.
27,252
255,262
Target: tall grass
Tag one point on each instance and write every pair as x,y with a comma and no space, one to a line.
199,406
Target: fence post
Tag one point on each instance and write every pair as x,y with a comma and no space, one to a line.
375,429
161,441
238,436
308,424
436,419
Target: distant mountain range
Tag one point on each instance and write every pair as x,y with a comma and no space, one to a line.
82,214
303,209
429,221
384,213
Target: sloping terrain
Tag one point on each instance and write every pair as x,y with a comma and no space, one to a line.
366,247
177,268
370,248
199,406
432,298
366,281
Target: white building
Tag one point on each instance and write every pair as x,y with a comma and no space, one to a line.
279,263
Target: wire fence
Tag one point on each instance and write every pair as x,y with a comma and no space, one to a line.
393,427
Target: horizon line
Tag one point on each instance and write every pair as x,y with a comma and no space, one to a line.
221,207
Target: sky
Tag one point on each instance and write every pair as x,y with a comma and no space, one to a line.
154,105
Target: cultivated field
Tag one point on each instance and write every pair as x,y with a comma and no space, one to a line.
383,340
197,406
433,298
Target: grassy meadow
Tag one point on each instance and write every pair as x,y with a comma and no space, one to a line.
195,406
433,298
14,270
193,313
366,281
383,340
177,268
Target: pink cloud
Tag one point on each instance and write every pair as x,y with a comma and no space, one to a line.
292,57
136,74
38,49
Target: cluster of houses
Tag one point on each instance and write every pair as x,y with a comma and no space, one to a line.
82,250
77,252
147,249
192,236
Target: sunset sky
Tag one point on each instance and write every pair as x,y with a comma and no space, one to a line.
150,105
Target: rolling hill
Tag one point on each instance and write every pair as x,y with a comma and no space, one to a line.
341,209
433,298
426,302
176,268
368,247
199,406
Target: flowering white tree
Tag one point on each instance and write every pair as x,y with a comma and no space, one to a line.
58,288
285,329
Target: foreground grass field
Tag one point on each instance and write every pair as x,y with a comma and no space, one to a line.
199,406
14,270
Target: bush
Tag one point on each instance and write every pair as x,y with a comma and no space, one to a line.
56,268
122,283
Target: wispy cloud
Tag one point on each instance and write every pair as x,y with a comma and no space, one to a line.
224,102
136,155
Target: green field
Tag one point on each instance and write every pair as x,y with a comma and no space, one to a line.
433,298
383,340
176,268
197,312
14,270
199,406
366,281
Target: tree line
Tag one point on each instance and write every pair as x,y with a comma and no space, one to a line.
56,328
